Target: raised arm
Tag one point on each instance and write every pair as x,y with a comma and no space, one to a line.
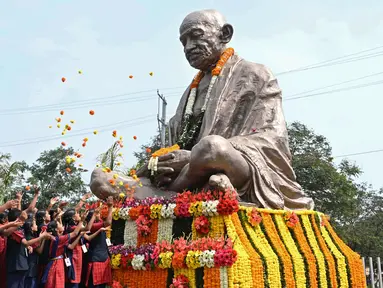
72,245
52,202
108,220
76,231
92,236
32,206
9,205
82,201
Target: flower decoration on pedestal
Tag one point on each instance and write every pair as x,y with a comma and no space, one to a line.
181,281
291,219
143,225
254,217
202,225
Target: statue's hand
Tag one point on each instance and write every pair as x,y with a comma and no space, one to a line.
175,160
170,165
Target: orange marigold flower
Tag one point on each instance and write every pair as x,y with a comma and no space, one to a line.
112,182
27,187
148,150
61,112
68,170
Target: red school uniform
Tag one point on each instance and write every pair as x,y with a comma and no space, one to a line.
76,260
54,274
3,253
99,263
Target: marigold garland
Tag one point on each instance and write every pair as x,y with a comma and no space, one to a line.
242,268
340,259
330,261
211,277
308,255
257,269
355,262
280,249
259,240
307,229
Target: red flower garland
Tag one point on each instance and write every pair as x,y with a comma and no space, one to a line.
181,281
202,225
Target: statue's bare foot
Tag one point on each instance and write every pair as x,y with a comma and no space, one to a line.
220,181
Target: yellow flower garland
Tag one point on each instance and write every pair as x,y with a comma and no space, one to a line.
262,245
358,278
217,227
280,249
299,266
257,269
341,261
317,252
242,267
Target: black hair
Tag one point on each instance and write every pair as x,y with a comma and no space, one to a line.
52,213
14,214
3,217
51,228
40,215
67,220
27,227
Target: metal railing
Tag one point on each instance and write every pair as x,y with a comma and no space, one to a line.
373,272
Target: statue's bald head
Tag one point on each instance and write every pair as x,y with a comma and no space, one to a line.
204,35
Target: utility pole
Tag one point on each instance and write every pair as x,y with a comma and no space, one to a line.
162,120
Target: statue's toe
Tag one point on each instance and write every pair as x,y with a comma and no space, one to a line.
220,181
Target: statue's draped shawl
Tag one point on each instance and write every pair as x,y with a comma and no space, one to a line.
245,107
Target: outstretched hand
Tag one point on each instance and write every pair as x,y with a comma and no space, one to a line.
109,201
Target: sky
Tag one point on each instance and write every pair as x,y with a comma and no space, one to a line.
43,41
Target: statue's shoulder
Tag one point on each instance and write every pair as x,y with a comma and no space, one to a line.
255,69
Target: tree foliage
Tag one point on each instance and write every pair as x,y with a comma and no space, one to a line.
49,173
11,175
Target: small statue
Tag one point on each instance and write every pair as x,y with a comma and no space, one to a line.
229,124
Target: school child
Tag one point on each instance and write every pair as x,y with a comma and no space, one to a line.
17,252
30,232
99,270
54,272
74,251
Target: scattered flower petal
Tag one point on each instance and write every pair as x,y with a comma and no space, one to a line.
135,137
61,112
63,79
131,76
95,132
63,143
151,73
91,112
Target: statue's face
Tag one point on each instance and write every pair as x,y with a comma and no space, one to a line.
202,43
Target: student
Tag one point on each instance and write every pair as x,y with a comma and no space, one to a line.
99,270
75,249
6,228
54,273
17,252
30,232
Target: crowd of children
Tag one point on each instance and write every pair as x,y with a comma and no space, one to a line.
53,248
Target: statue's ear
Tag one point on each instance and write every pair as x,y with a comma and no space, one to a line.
227,33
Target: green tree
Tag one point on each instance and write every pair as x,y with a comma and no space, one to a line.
332,187
50,174
11,175
142,155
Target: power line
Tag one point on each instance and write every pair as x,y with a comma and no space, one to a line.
322,63
337,84
359,153
336,90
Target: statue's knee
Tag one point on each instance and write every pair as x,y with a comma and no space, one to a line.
210,148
